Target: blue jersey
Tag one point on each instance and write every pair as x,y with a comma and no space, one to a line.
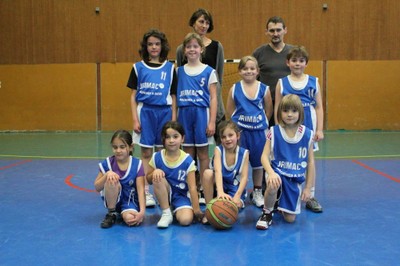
193,90
249,112
129,196
232,174
307,96
154,83
289,156
176,174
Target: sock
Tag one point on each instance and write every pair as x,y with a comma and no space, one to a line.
167,211
111,210
146,188
312,192
268,210
256,187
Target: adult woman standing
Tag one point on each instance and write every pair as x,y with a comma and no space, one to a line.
202,23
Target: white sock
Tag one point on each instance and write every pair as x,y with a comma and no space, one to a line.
268,210
312,192
167,211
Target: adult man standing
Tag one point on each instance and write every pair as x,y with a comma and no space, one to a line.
271,57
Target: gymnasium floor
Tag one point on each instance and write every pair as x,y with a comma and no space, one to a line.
50,214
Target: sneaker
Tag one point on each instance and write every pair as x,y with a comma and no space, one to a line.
264,221
165,221
150,202
257,197
109,220
313,205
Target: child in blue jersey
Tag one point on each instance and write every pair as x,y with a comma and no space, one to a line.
121,183
230,167
288,158
308,89
197,101
153,97
249,105
172,175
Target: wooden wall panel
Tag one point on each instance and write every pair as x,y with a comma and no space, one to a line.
363,95
48,97
115,97
61,31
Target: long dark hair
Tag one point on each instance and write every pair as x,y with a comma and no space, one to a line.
175,125
124,136
144,54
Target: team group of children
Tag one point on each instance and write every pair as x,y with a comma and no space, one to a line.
174,112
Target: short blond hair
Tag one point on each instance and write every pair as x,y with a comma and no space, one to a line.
190,36
245,59
290,101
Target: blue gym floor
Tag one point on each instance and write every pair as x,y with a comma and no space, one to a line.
50,213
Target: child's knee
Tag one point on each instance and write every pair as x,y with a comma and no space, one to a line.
184,217
290,218
271,191
208,175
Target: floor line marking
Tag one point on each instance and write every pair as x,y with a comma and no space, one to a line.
69,183
15,164
377,171
99,158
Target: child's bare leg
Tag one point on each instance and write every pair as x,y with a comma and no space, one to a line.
161,189
111,192
257,177
208,184
202,152
146,156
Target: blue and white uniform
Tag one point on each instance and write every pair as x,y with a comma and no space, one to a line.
128,197
250,116
154,101
232,174
289,159
176,174
307,91
193,100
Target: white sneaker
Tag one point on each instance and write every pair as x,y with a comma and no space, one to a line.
150,202
257,198
165,221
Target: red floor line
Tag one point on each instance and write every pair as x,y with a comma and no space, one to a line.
377,171
15,164
69,183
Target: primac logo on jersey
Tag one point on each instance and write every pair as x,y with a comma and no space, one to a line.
188,93
151,85
250,118
291,165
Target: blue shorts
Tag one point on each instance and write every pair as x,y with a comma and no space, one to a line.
254,141
179,201
194,120
290,196
231,191
152,118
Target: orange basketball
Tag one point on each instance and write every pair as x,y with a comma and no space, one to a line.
221,213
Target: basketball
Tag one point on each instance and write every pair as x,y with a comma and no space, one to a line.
221,213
